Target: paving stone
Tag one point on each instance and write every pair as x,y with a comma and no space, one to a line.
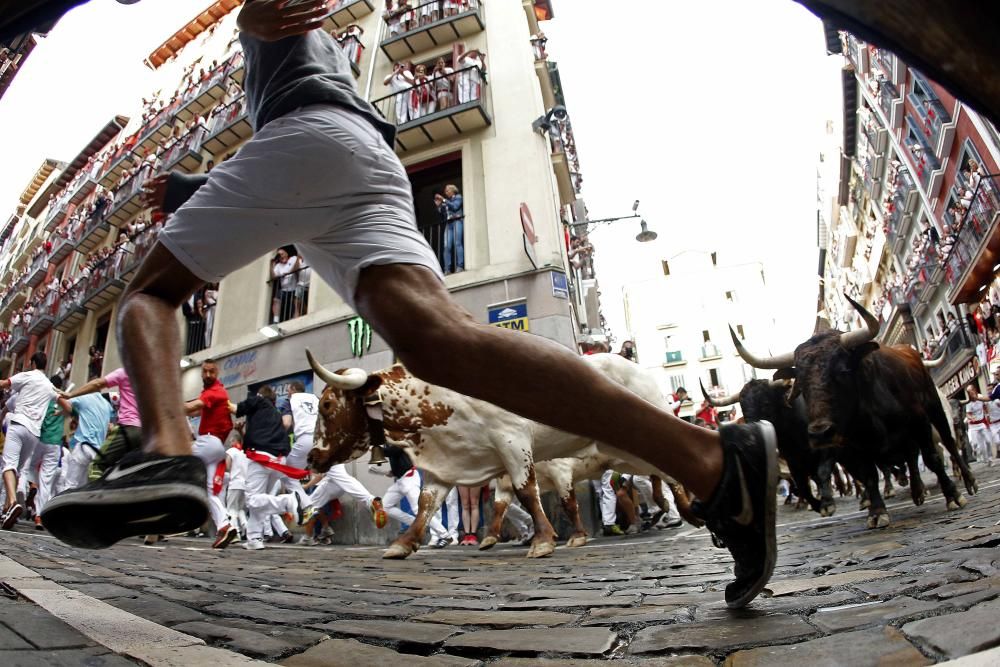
103,591
630,616
192,597
65,576
259,611
960,633
876,647
11,640
611,601
81,657
682,598
480,605
573,641
962,588
498,619
157,610
664,661
428,634
908,583
248,642
42,628
720,634
379,611
789,586
551,593
852,616
351,653
783,605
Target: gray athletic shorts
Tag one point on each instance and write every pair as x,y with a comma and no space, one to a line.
320,177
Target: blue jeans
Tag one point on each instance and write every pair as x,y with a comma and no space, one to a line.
454,245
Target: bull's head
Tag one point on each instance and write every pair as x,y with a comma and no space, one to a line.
825,371
342,427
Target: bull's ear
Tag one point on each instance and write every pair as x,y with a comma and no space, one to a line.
859,353
370,386
787,373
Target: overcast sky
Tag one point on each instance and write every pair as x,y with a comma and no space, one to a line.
710,113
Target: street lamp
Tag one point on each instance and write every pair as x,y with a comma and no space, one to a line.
644,236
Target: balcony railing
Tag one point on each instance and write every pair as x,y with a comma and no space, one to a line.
975,228
70,313
128,196
95,230
353,49
84,183
888,97
200,323
673,357
105,282
921,153
39,267
45,315
346,12
185,153
289,295
64,240
207,94
958,339
228,127
430,24
57,209
447,239
156,128
710,351
934,116
141,245
440,108
19,339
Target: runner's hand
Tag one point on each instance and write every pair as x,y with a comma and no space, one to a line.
154,191
271,20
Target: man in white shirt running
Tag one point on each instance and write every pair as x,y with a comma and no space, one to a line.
33,391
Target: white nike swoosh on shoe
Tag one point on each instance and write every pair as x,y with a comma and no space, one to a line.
119,472
746,512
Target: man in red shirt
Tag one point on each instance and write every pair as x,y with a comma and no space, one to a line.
212,404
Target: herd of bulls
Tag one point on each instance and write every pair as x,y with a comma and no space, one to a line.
839,397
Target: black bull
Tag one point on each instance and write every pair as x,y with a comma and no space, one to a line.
875,405
767,400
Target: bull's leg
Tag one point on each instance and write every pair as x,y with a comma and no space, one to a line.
863,501
659,499
918,491
626,502
800,475
824,468
940,423
572,509
504,496
544,541
932,458
888,491
431,497
878,516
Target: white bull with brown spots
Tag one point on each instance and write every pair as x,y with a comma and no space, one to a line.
453,439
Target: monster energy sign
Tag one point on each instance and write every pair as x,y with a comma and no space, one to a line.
361,336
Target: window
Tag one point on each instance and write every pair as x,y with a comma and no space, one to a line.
715,259
705,336
428,180
731,296
739,330
666,267
95,364
676,381
713,376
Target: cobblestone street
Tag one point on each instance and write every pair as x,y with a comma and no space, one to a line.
919,592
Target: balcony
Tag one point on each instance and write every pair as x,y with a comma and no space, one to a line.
420,126
15,298
95,230
424,27
184,154
353,49
926,164
970,263
45,315
207,95
155,130
289,295
141,245
104,284
56,211
128,197
565,161
956,348
346,12
84,183
709,352
237,68
228,128
891,103
70,313
39,267
19,339
937,123
442,241
119,161
674,358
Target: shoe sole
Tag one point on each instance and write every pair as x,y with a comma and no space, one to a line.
231,535
770,516
99,519
9,521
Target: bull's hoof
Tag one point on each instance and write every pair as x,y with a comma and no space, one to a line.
541,550
918,498
397,551
889,493
972,487
633,529
878,520
828,510
957,502
801,504
864,504
576,541
488,543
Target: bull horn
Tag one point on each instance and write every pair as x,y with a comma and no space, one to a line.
933,363
718,402
352,378
868,332
781,361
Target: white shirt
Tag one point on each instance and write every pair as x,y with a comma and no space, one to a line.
283,271
237,468
34,391
305,408
993,410
974,411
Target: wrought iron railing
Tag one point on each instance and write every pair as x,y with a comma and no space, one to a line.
352,48
417,17
227,115
975,225
127,189
922,154
887,94
435,95
190,142
289,295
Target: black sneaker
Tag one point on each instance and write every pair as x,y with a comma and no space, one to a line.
143,494
741,512
9,517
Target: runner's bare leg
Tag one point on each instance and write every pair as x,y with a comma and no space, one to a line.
441,343
150,347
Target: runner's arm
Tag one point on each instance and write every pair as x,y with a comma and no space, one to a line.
193,407
95,385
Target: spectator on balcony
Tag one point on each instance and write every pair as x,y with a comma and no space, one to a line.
400,81
538,42
96,362
628,351
303,279
283,272
350,41
422,98
471,67
443,84
393,17
952,322
428,10
211,299
194,314
454,231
